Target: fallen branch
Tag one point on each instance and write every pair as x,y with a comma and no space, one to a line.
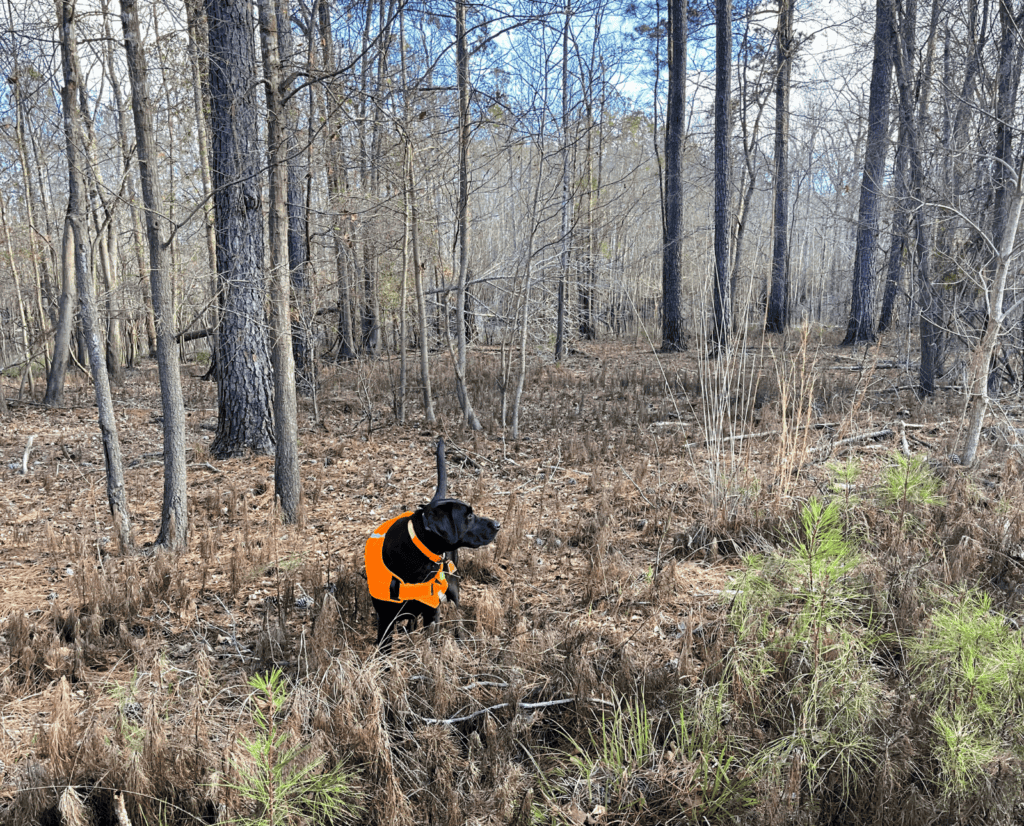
860,437
767,433
545,704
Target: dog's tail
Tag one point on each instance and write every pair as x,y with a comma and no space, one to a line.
442,475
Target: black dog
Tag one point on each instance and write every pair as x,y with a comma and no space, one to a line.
411,560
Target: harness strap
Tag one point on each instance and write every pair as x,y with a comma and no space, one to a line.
384,585
429,554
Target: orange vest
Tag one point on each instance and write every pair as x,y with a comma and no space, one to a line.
379,576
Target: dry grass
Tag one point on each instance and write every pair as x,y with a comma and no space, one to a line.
643,487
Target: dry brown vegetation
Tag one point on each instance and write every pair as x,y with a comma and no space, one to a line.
599,670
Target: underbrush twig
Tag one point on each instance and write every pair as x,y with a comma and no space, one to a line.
543,704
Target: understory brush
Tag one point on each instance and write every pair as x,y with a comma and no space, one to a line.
803,671
718,597
967,669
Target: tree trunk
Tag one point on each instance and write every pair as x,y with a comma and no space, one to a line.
37,225
26,348
244,420
861,326
198,51
778,297
673,334
462,215
174,514
130,194
898,246
723,215
335,188
298,230
287,485
977,374
54,395
563,267
77,224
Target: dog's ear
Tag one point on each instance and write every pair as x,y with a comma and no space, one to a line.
447,520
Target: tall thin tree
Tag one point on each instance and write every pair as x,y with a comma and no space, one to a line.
861,325
77,227
566,242
723,213
778,296
287,486
673,334
174,513
462,215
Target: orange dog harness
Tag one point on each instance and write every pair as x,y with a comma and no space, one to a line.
379,577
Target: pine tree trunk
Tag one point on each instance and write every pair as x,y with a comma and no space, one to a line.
861,327
723,214
244,375
778,297
673,336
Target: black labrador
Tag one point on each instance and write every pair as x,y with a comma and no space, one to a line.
411,560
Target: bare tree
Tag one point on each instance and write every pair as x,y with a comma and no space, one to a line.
462,215
566,210
174,514
861,326
978,370
673,334
723,126
778,296
77,228
287,485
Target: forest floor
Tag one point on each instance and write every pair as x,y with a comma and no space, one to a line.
629,507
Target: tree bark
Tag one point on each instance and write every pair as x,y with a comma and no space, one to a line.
563,268
898,245
778,298
78,230
174,514
673,334
723,213
298,223
244,379
861,326
462,215
287,486
54,395
977,375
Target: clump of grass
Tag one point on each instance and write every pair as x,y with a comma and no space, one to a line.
641,767
968,669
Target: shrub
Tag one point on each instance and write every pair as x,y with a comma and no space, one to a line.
968,671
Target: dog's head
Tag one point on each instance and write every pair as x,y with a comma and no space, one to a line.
454,521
